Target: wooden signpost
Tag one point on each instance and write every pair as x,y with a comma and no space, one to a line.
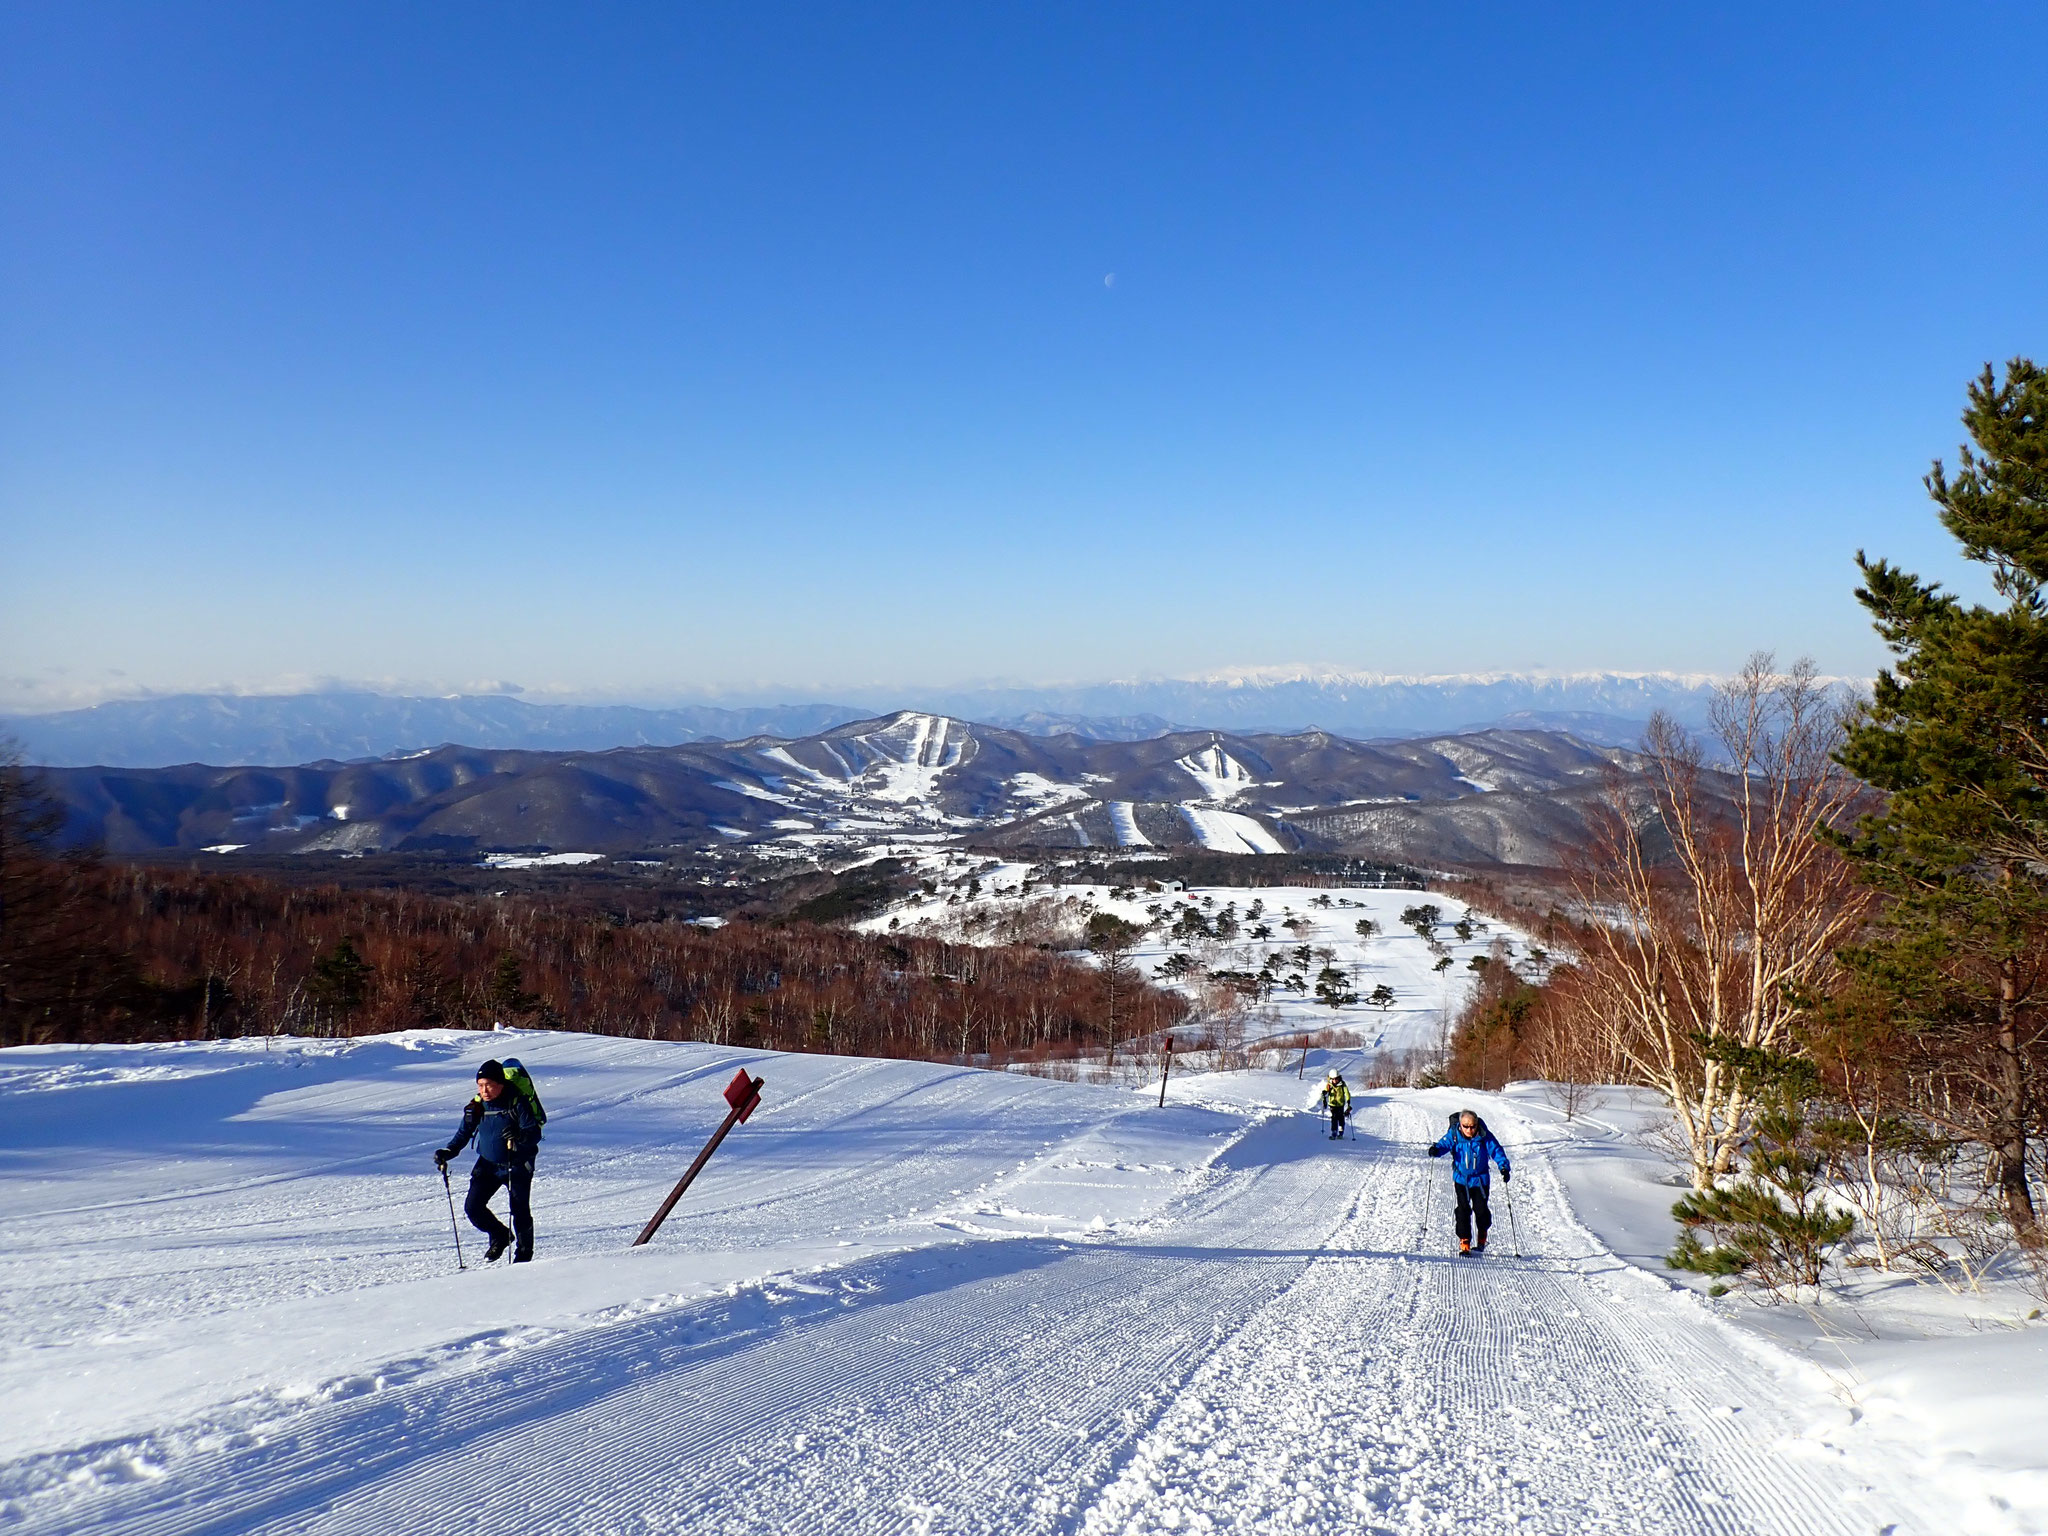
743,1093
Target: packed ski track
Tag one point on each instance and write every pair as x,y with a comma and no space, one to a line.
905,1298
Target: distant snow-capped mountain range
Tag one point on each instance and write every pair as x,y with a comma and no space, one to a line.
1364,704
283,729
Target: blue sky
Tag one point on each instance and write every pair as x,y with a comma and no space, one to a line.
639,350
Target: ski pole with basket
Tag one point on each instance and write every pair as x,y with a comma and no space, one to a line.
449,1190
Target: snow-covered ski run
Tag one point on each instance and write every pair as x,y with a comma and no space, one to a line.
907,1298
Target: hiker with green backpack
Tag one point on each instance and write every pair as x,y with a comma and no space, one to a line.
505,1117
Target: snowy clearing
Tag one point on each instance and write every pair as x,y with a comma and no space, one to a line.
903,1297
1393,955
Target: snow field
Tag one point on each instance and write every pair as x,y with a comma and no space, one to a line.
1425,998
1959,1376
1222,777
197,1228
1229,831
1403,1389
903,1298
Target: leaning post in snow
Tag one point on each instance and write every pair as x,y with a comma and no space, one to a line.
1302,1070
1165,1067
743,1093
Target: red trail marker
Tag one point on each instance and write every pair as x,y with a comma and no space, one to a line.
743,1093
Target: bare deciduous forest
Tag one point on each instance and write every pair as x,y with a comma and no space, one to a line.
96,952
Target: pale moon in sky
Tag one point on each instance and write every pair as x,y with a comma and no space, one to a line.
1109,279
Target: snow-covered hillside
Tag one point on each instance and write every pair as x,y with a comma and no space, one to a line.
903,1298
833,794
1247,931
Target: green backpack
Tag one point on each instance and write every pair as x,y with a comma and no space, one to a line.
520,1081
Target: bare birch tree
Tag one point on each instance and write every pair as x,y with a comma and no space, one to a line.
1713,910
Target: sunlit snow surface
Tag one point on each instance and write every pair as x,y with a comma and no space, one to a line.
1221,776
904,1297
1229,831
1125,820
928,745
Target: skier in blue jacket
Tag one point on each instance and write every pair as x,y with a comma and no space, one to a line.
1470,1144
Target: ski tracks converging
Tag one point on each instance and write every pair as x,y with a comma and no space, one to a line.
1398,1388
1293,1349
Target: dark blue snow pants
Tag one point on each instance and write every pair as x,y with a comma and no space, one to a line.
485,1180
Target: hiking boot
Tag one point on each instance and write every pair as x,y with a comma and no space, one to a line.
1480,1246
522,1258
1464,1245
499,1244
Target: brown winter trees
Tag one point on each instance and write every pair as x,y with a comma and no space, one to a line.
209,955
55,967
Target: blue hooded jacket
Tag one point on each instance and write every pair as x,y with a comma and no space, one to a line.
1469,1155
506,1132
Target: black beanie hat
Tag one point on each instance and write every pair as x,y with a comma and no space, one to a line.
491,1070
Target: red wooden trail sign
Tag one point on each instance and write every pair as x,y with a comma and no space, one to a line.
743,1093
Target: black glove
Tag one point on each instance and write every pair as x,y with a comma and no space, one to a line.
1436,1151
442,1157
1506,1174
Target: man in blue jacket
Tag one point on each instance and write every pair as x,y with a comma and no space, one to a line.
507,1137
1470,1144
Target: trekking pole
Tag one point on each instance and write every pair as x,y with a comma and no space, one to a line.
1514,1231
449,1190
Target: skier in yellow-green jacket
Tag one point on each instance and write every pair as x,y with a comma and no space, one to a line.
1336,1099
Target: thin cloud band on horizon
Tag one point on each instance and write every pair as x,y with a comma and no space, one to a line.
26,697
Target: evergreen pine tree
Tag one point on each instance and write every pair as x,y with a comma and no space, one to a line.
1956,733
1773,1223
507,990
340,982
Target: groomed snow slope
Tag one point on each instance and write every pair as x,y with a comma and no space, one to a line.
230,1306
